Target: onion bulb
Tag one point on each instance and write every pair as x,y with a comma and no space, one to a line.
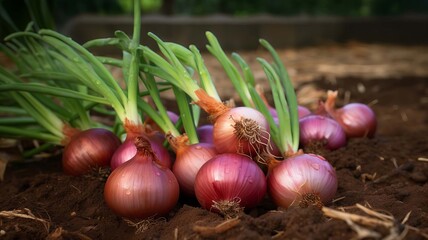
323,130
303,111
241,130
229,182
356,119
141,187
88,150
127,150
188,161
205,133
173,116
303,180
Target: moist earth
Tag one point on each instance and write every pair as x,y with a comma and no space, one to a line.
387,175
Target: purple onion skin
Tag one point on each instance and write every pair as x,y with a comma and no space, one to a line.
317,128
188,161
303,174
303,111
273,112
127,150
357,119
205,133
88,150
140,188
230,177
226,139
173,116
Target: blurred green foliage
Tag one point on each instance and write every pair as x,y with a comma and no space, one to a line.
63,10
302,7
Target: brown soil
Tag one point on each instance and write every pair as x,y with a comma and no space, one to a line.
387,174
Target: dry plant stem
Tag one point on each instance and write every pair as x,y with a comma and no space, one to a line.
356,218
374,213
362,232
25,213
378,219
219,229
330,102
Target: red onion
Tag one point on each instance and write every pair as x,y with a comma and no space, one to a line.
127,150
189,160
303,111
88,150
229,182
140,187
303,179
241,130
205,133
273,112
356,119
173,116
321,129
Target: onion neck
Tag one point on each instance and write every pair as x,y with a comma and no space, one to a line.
132,129
321,109
144,150
210,105
330,103
69,132
179,143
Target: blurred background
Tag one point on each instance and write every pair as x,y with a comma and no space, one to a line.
63,10
315,38
326,20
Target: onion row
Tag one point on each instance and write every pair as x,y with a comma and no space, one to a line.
222,172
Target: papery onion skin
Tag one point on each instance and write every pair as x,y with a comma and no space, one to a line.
205,133
303,174
227,140
173,116
325,130
356,119
273,112
303,111
140,188
127,150
189,160
88,150
230,177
